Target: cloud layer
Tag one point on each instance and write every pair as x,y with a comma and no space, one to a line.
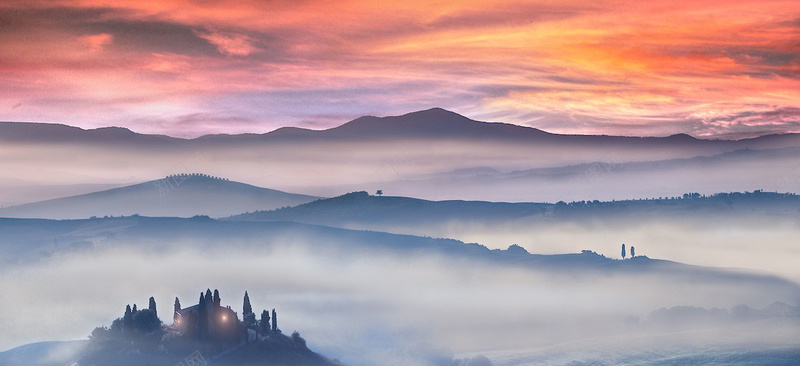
187,68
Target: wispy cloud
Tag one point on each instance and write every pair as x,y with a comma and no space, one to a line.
573,67
229,43
97,42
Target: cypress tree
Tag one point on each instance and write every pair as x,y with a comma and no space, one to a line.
623,251
134,309
274,321
264,321
246,308
248,317
127,319
217,300
633,252
177,308
152,306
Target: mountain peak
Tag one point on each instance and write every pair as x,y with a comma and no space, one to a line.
425,124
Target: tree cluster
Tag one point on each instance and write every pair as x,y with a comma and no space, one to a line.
265,324
137,327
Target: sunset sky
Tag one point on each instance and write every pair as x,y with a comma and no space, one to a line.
721,68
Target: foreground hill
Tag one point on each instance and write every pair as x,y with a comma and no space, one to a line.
43,353
182,195
368,288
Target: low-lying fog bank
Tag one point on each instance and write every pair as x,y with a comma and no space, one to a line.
362,308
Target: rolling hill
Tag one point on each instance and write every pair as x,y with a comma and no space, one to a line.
183,195
22,244
360,210
277,256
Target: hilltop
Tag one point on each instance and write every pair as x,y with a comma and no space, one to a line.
199,334
180,195
361,210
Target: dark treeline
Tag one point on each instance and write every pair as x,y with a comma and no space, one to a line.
208,330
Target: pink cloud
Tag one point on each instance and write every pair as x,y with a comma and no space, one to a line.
97,42
228,43
568,67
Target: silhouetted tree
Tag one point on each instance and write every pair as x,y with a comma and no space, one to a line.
633,252
250,320
209,298
177,308
379,192
99,334
298,339
127,319
152,306
248,317
134,309
623,251
146,321
274,321
246,308
217,300
264,323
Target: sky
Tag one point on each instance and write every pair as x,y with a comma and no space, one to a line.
721,68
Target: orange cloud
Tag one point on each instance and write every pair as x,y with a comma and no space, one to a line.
566,66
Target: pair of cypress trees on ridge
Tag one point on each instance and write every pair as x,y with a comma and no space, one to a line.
633,251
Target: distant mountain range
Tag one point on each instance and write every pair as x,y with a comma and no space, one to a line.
433,154
435,123
182,195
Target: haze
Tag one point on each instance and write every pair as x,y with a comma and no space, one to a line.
361,309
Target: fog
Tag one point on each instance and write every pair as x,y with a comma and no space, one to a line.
768,245
360,308
441,169
367,307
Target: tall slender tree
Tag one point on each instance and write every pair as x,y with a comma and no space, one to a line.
217,300
152,306
248,316
623,251
127,319
134,309
264,323
274,321
633,252
246,308
176,308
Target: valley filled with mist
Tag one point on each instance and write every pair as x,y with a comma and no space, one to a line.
425,239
